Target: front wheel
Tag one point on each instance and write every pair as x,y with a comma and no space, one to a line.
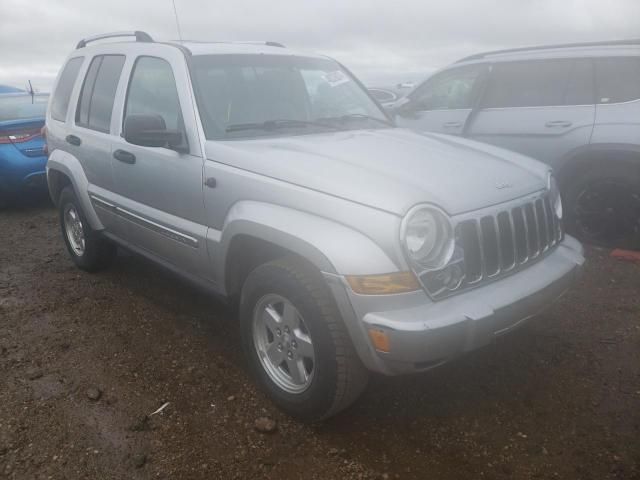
603,207
296,342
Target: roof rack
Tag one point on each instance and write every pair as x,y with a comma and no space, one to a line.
268,43
140,37
478,56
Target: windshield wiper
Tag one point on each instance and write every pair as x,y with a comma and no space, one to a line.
270,125
357,116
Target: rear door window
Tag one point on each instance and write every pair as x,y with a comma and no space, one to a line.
540,84
60,102
618,79
98,92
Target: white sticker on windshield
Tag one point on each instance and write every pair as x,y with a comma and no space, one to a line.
335,78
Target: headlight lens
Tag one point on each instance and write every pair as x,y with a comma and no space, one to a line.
556,199
427,237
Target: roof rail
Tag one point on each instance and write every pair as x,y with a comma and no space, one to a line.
478,56
268,43
140,37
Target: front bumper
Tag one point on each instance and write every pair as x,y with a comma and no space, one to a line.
423,333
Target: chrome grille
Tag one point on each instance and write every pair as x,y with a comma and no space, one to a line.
492,245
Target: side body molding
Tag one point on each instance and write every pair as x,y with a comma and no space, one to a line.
330,246
69,165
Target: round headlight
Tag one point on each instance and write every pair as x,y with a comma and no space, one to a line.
427,237
555,197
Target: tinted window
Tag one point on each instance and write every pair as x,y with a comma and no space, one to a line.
448,90
98,92
60,102
618,79
152,90
540,83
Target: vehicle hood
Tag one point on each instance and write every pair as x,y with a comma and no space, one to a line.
390,169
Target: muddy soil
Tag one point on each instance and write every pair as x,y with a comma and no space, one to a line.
85,359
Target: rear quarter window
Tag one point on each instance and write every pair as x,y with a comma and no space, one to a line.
618,79
98,92
60,102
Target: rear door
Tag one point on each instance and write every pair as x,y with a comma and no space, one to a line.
90,138
160,189
444,102
543,108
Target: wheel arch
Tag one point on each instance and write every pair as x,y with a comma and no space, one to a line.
592,156
269,231
64,169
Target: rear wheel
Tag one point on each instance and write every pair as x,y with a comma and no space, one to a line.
603,207
88,249
296,342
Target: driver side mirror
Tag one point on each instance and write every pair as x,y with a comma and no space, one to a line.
150,131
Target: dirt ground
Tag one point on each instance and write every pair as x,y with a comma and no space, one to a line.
84,360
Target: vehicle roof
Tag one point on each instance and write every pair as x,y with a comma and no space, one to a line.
202,48
590,49
234,48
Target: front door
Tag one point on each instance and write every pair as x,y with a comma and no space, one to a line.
544,109
160,189
444,102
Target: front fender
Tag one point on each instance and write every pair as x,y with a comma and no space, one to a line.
70,166
332,247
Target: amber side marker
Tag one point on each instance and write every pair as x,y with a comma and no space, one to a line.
387,284
380,340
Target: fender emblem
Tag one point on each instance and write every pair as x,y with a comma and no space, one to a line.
502,186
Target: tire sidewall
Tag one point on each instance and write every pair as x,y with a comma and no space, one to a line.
619,173
68,197
318,398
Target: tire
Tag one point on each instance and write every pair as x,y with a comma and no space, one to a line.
96,253
336,376
602,206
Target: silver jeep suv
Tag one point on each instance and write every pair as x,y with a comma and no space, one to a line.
272,179
575,107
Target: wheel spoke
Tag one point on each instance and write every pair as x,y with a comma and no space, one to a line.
303,344
289,315
297,371
271,319
274,354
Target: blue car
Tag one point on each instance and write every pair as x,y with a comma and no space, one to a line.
22,147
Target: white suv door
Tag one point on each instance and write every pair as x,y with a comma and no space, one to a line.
541,108
161,188
444,102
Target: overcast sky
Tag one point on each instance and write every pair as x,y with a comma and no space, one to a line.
382,41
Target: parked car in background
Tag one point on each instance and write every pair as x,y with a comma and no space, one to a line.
575,107
272,179
22,149
387,96
9,89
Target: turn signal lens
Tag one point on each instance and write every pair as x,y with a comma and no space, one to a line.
388,284
380,340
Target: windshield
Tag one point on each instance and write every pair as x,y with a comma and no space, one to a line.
242,96
21,107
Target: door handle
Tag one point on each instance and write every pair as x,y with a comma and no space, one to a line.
124,156
452,124
558,123
73,140
211,182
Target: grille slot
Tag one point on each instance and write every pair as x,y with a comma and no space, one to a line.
495,244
